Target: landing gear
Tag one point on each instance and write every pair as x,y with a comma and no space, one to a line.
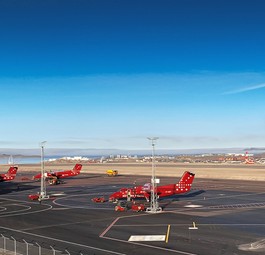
54,181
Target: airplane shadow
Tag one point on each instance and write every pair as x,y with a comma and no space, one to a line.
167,201
14,187
86,177
188,195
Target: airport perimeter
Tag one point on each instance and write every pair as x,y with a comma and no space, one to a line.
218,216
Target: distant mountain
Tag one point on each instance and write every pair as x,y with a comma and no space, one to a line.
50,152
255,149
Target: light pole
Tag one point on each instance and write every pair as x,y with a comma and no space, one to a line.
42,186
154,206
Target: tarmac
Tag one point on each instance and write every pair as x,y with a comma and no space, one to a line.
218,216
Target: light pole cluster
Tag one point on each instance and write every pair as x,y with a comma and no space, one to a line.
154,206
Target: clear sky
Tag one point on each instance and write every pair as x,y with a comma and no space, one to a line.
108,74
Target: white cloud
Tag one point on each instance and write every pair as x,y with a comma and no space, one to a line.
260,86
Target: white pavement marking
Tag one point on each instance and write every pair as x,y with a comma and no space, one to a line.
255,246
63,241
193,206
109,227
139,244
150,246
25,208
61,208
2,209
147,238
58,194
61,224
19,212
88,206
25,213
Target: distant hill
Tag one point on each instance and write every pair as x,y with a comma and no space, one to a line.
106,152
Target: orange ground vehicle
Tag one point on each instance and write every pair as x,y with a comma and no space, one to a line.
98,199
119,208
123,206
138,207
34,196
38,197
112,172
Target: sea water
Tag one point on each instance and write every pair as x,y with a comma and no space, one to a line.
20,160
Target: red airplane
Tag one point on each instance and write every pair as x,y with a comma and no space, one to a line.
55,176
183,186
248,160
10,175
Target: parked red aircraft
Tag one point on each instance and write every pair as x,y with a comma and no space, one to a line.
183,186
248,160
62,174
10,175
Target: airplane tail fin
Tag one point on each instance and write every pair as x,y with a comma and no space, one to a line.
36,177
11,173
184,185
77,168
248,160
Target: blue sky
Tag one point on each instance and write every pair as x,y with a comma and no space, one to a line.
109,74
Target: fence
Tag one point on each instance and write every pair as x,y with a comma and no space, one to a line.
11,246
14,244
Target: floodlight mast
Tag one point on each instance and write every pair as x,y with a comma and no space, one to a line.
154,206
42,186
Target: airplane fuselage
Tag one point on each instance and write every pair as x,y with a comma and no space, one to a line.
62,174
183,186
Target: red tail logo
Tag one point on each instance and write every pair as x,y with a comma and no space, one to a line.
185,182
12,172
10,175
77,168
248,160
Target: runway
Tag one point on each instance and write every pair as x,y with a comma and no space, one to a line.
229,217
